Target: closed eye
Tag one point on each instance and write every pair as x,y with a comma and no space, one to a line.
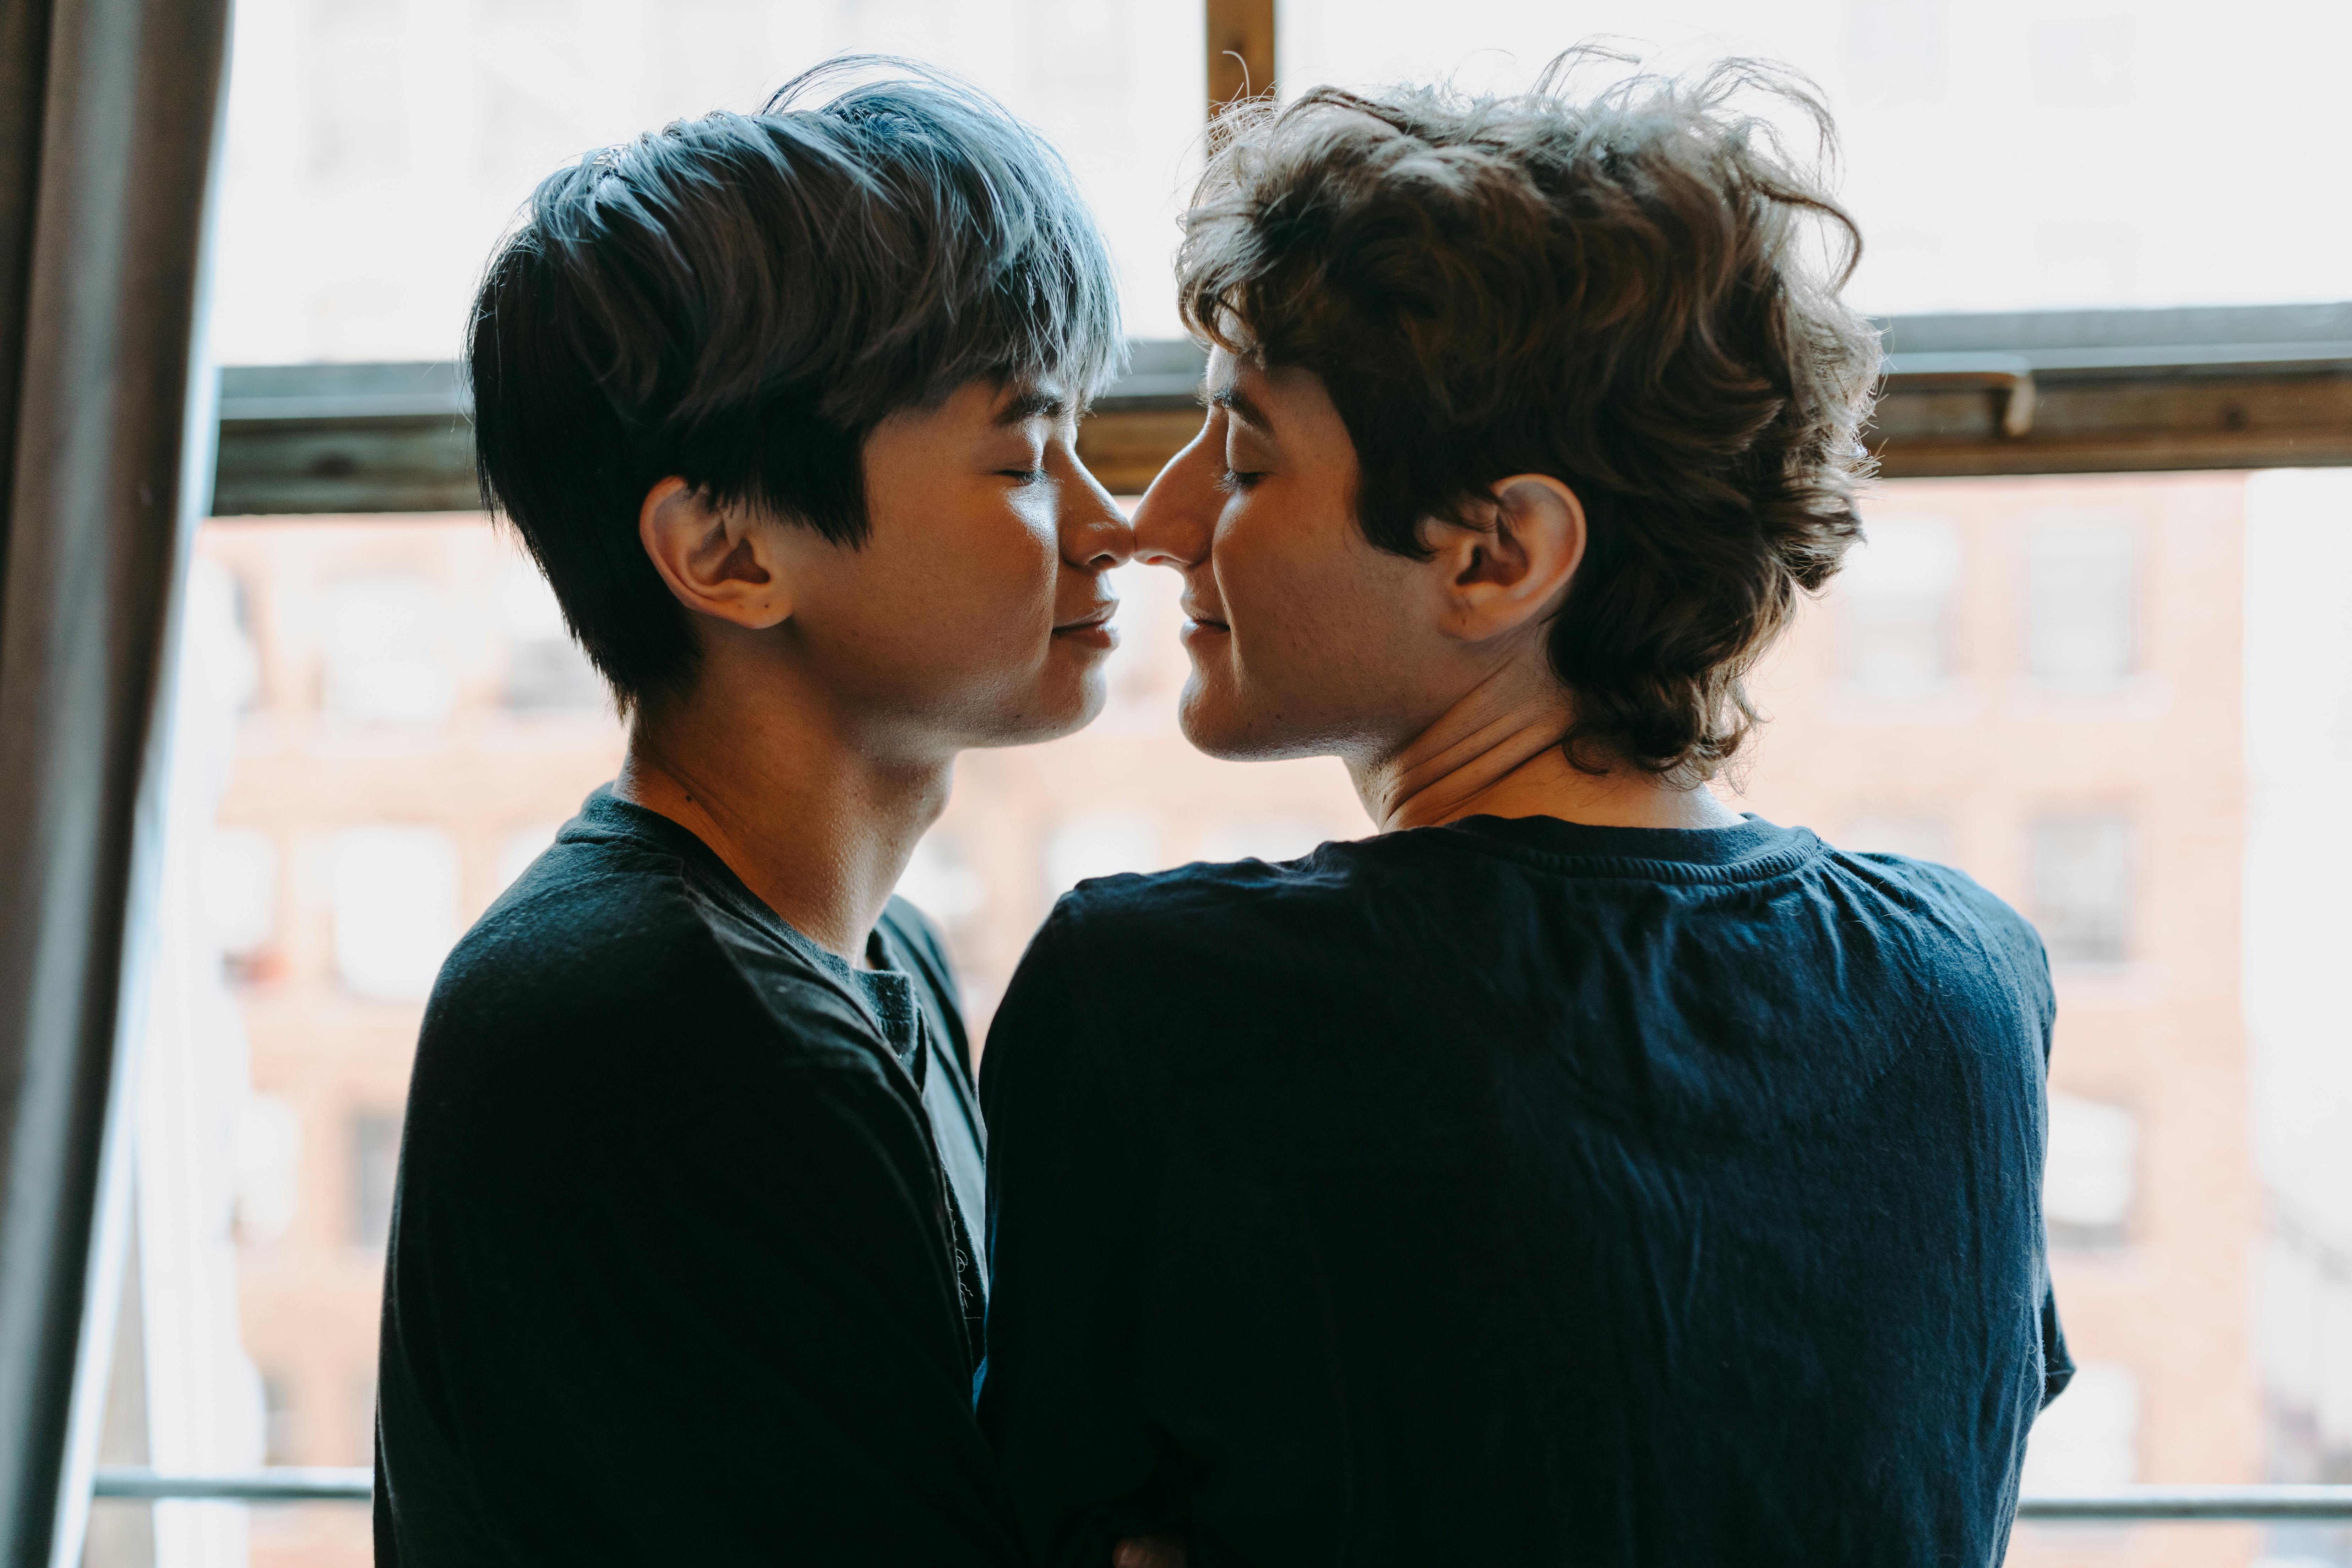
1238,478
1026,476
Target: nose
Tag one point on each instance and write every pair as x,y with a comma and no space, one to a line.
1177,515
1095,533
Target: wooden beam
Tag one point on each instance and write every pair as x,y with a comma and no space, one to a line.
1241,50
2055,392
2155,418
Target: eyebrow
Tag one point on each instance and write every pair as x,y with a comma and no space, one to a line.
1230,396
1033,402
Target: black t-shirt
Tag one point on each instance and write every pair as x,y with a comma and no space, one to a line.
1518,1191
678,1271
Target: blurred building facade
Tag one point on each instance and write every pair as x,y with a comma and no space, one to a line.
2037,680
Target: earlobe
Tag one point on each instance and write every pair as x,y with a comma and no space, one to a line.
714,560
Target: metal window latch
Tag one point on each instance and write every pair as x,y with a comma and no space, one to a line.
2009,375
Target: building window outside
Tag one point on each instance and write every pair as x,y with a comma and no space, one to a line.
395,908
241,895
2092,1174
941,881
2082,881
1271,838
383,665
1896,615
375,1164
2082,614
361,1437
266,1158
546,672
281,1422
1100,844
2088,1439
1921,836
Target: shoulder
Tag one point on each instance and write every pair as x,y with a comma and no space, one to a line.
608,945
1954,907
1124,958
1211,901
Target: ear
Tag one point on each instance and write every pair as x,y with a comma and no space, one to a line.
718,560
1514,568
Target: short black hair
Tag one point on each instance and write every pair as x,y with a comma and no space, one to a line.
739,300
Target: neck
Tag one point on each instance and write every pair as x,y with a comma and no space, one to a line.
1496,752
816,824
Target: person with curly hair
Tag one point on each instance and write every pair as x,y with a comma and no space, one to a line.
1577,1170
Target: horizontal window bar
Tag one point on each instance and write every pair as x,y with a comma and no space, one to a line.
2036,392
2268,1502
273,1485
2273,1502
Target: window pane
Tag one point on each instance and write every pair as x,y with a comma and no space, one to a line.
1895,599
2160,832
376,151
2088,1185
395,903
2080,605
2083,887
2002,157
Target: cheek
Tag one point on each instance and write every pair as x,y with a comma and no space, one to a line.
1304,604
985,570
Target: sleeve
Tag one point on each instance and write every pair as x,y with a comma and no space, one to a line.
2057,1363
1070,1216
697,1305
2017,949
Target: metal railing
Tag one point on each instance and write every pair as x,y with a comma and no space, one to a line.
2266,1503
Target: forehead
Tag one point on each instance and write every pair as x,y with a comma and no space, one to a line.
1287,399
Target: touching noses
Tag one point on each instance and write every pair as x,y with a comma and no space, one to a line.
1095,532
1178,514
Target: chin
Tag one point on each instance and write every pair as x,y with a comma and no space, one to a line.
1056,708
1218,726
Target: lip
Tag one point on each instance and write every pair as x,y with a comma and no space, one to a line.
1197,623
1092,629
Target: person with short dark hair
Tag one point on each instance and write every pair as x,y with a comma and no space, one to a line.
1576,1171
683,1265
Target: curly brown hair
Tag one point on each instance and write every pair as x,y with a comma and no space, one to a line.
1635,291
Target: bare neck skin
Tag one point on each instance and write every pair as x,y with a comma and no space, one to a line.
1496,752
816,824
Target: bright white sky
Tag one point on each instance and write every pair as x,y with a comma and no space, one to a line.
2001,154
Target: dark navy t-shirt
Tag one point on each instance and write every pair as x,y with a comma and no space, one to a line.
680,1269
1520,1191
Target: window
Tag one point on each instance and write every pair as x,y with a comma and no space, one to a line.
1896,631
2306,1302
395,908
375,1162
1921,836
242,886
940,881
546,671
1100,844
522,846
406,722
2081,611
2089,1438
1267,837
2088,1183
2083,887
265,1156
380,637
282,1427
